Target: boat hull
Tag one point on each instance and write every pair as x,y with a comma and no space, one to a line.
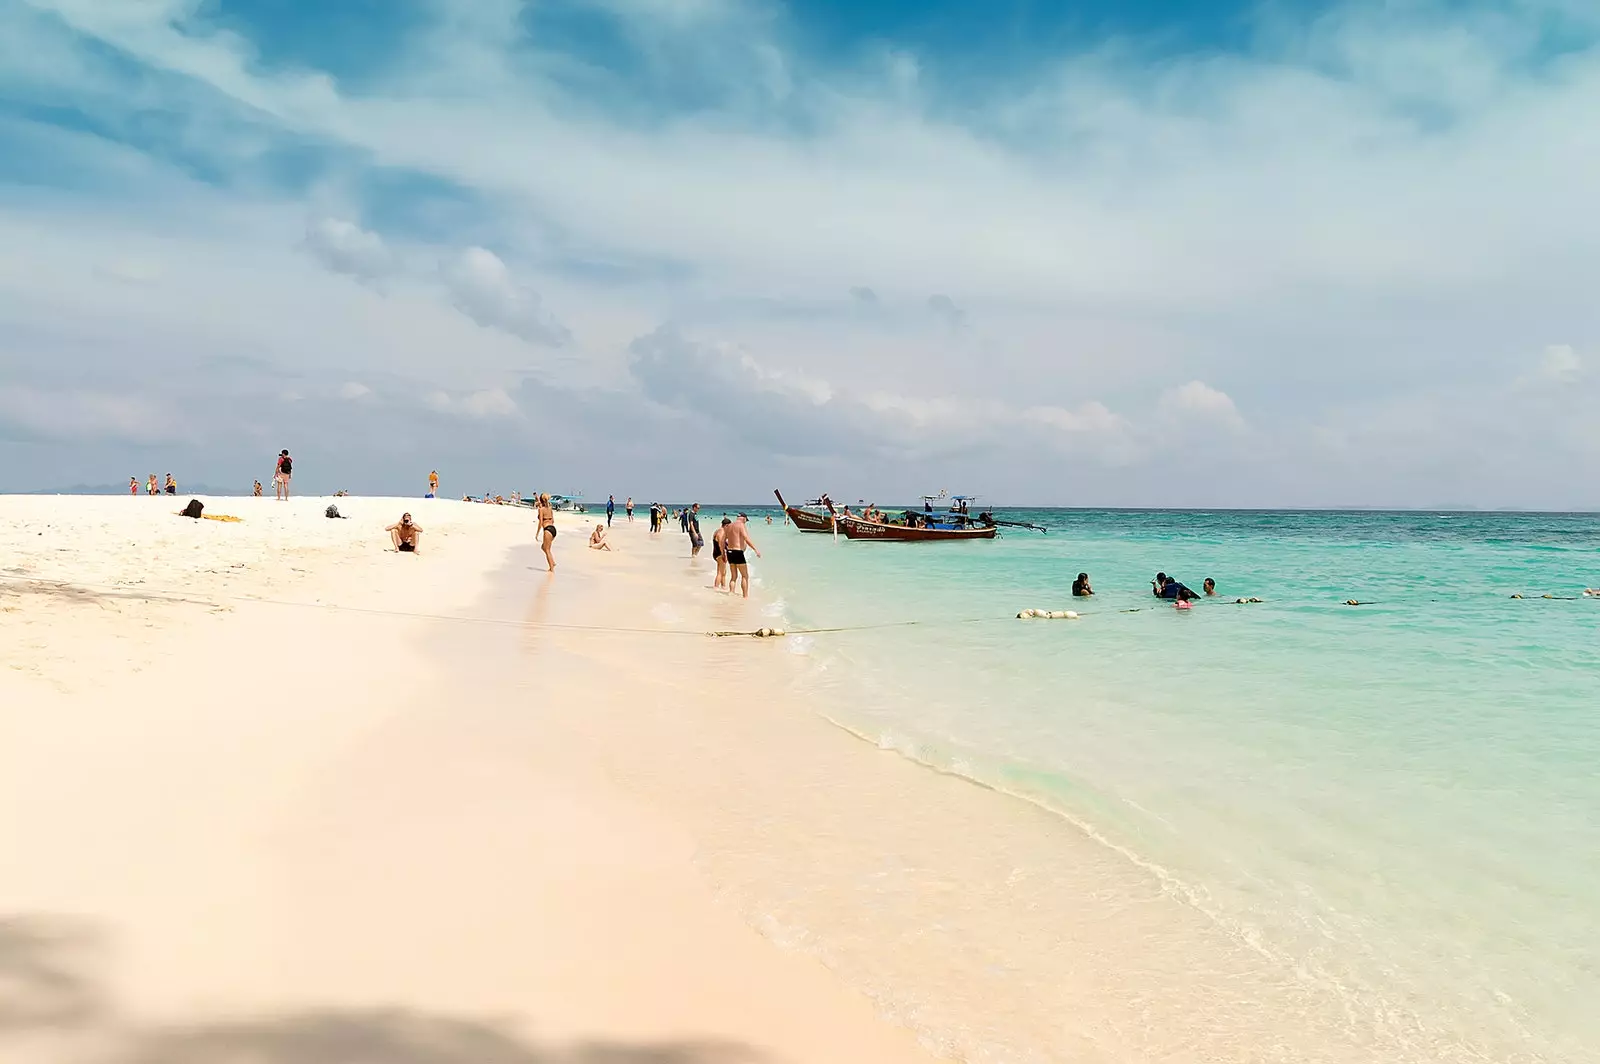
805,520
871,530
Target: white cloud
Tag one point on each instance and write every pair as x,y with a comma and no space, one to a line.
345,247
486,405
1198,401
482,288
1561,364
354,391
1365,206
72,414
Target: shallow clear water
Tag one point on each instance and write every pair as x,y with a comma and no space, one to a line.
1398,802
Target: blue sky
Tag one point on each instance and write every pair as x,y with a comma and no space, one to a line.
1122,254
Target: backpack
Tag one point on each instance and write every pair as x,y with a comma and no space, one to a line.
193,509
333,511
286,466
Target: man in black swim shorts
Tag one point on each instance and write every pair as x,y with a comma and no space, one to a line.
735,538
405,534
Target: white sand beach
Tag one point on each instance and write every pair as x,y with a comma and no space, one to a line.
270,791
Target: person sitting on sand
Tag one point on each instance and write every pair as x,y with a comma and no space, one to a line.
1080,586
1209,586
405,534
256,491
597,538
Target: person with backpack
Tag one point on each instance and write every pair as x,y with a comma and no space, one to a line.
280,475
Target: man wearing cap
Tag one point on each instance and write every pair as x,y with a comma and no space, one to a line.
735,541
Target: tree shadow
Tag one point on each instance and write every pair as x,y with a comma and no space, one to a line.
398,1037
45,980
50,985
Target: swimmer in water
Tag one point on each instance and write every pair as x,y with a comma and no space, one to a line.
1080,586
1209,586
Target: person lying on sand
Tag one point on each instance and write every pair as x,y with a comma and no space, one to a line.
597,538
405,534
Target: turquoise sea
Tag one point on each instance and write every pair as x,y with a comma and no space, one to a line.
1398,803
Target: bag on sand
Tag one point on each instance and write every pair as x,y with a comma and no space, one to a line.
193,509
333,511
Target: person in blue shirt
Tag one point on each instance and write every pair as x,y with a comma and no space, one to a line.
1164,586
611,508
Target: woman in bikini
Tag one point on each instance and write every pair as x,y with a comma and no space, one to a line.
547,529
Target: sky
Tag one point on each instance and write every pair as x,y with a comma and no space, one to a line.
1140,253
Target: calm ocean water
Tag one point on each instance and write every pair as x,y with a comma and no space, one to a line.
1399,802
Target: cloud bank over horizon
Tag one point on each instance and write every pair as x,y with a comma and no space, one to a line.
1286,256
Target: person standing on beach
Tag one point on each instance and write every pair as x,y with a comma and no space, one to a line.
720,556
257,491
133,485
692,526
150,486
281,474
433,484
630,509
172,485
547,530
735,542
611,509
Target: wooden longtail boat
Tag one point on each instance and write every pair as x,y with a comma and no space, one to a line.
918,528
805,520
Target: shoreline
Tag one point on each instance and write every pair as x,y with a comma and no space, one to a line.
583,813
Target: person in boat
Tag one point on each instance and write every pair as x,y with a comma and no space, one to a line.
1080,586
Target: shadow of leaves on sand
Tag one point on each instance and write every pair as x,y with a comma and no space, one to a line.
50,984
45,974
399,1037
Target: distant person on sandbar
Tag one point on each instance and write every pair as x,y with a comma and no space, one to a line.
597,538
172,485
611,509
1080,586
133,485
150,486
735,541
547,529
256,491
405,534
630,509
1209,586
433,484
691,525
281,474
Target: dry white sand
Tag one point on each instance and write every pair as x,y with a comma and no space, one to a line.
272,793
